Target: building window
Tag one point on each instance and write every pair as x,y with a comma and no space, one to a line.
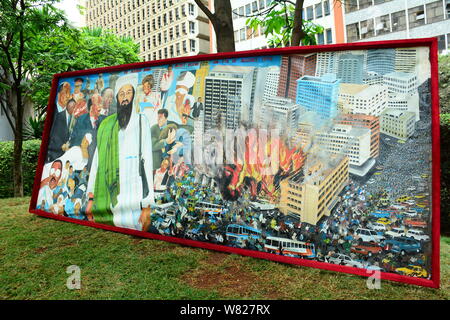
352,32
435,12
248,10
235,14
262,4
382,25
441,43
416,16
254,6
326,7
318,9
192,43
398,21
351,5
447,8
320,38
242,34
364,4
191,9
192,27
309,13
329,36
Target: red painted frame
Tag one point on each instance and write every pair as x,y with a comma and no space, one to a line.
431,43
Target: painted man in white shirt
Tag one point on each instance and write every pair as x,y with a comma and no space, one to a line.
116,186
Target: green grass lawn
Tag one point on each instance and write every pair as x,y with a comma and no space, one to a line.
35,252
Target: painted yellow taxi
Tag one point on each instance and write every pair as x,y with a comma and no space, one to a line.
415,271
384,221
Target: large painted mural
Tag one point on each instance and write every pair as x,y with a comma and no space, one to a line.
322,156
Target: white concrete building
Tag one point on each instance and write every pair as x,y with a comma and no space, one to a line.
363,98
401,82
347,140
397,123
228,96
367,20
271,85
405,102
163,28
280,113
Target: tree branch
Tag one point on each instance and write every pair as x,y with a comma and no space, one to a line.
205,9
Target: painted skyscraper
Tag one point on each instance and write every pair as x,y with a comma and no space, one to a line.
381,61
351,68
293,67
319,94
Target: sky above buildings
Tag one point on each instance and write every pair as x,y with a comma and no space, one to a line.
72,12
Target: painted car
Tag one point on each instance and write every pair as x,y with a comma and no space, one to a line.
402,245
366,235
395,232
378,227
366,249
415,223
384,221
414,271
418,235
342,259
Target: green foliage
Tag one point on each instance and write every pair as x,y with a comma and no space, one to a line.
29,161
72,49
278,23
34,128
444,83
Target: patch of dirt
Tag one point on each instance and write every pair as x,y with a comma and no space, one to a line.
40,249
229,278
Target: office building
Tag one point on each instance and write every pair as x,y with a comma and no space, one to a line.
280,113
326,13
318,94
363,99
367,20
293,67
348,140
313,193
364,121
401,82
398,124
271,85
381,61
351,68
228,93
163,28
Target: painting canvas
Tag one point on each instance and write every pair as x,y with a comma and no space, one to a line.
308,156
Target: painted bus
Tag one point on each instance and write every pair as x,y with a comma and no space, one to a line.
290,247
242,232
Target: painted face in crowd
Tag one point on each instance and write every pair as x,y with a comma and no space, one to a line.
125,98
55,174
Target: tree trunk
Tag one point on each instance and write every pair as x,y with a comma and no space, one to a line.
222,22
18,145
297,32
224,26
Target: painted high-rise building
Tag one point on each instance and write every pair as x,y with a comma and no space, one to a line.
381,61
227,96
319,94
293,67
280,113
271,85
351,68
163,28
405,59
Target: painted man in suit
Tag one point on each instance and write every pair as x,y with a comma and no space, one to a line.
59,134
